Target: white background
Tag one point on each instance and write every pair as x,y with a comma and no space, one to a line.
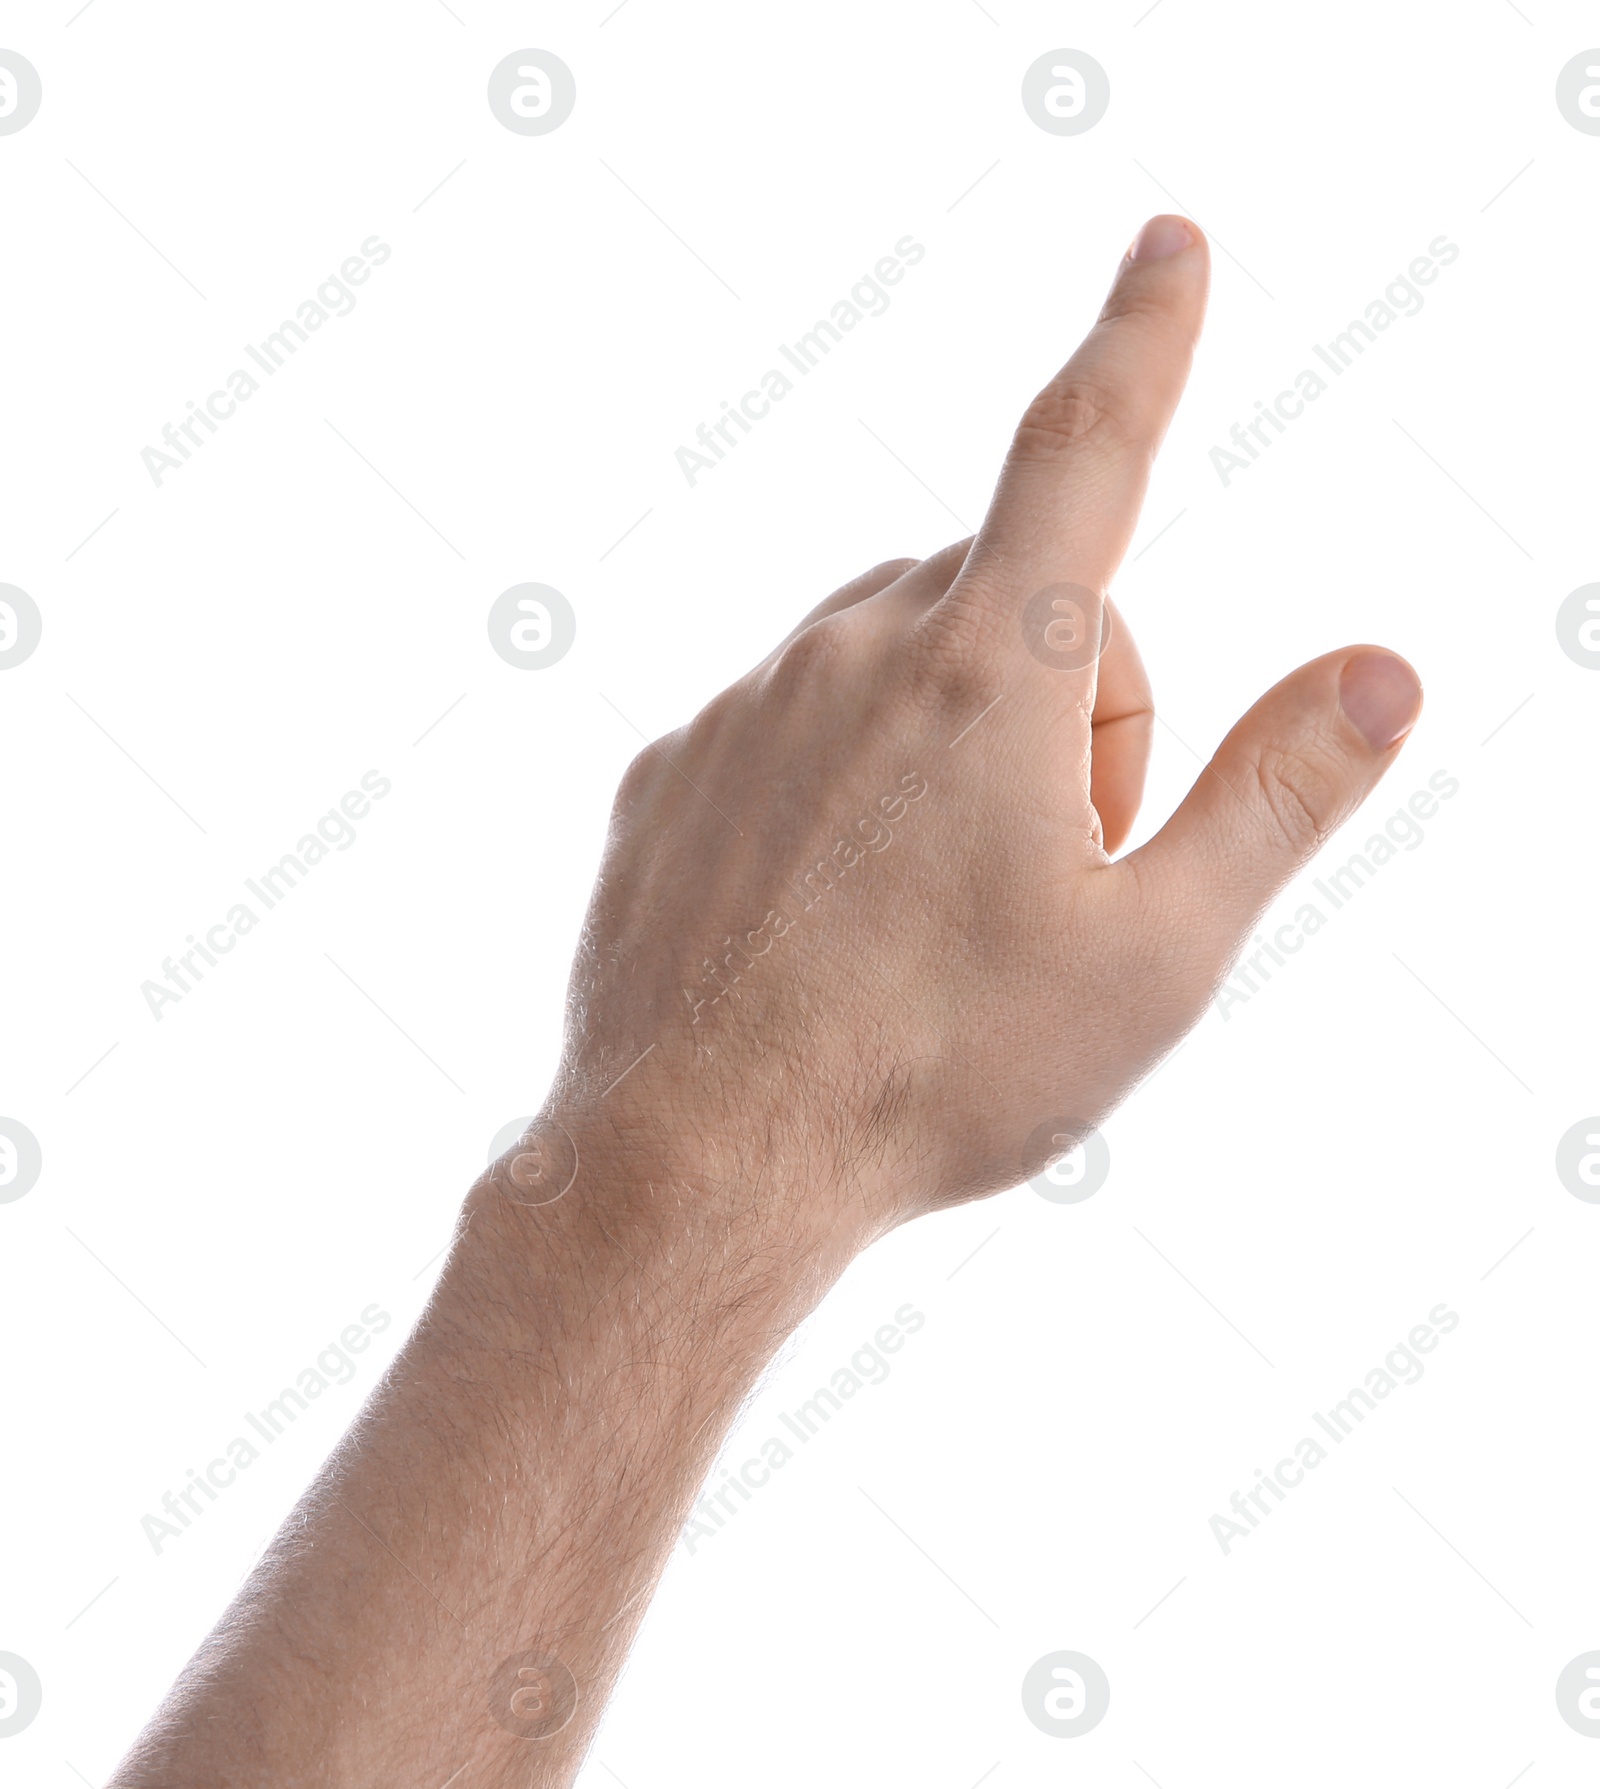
233,1184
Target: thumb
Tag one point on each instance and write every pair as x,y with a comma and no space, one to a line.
1289,774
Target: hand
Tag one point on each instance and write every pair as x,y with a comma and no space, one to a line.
857,949
861,911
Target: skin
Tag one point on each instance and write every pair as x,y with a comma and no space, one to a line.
768,1064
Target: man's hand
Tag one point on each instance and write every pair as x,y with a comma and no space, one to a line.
861,911
858,949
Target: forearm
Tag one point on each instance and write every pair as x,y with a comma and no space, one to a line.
865,974
511,1493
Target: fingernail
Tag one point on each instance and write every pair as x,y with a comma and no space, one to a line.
1161,237
1382,695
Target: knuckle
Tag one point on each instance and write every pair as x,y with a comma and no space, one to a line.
1303,794
954,663
813,656
723,714
1130,301
1070,412
889,571
638,780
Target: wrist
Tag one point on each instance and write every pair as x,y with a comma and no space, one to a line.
690,1169
685,1223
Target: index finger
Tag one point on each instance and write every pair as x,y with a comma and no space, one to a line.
1074,480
